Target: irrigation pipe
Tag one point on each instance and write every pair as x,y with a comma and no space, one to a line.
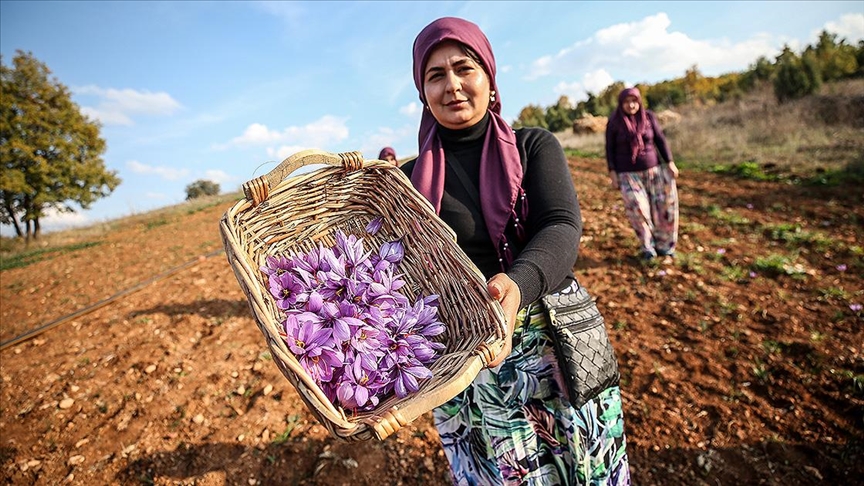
39,330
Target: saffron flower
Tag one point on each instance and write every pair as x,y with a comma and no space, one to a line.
287,290
407,373
348,323
312,345
375,225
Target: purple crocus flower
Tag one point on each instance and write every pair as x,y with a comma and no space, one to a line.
364,341
351,248
385,289
312,345
315,302
308,262
375,225
276,265
405,376
287,290
392,252
423,349
358,387
333,319
349,325
427,323
855,307
841,268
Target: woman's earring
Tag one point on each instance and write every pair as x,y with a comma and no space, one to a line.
492,97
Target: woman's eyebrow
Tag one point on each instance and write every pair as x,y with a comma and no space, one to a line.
456,63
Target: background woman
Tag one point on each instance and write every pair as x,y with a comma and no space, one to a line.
387,154
648,187
510,199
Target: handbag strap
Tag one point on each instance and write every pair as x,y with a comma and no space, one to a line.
470,187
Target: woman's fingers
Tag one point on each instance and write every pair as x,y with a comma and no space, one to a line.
503,289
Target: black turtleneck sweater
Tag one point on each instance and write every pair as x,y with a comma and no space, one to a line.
544,262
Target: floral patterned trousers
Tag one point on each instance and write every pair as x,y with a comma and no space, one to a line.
651,205
513,425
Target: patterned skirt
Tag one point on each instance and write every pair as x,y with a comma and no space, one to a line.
651,204
514,425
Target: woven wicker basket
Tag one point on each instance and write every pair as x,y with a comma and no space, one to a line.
283,215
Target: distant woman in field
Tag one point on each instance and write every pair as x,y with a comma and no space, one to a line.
387,154
647,185
509,197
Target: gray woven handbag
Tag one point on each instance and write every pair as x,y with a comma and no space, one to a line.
582,345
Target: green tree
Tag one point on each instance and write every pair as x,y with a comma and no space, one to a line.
559,117
836,60
604,103
759,72
201,188
859,56
531,116
665,94
51,153
795,77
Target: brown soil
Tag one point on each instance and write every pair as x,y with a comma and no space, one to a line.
727,378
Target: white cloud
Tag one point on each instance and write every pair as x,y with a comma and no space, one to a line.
53,220
649,46
107,117
411,109
319,134
255,134
389,137
167,173
285,151
593,82
118,106
218,176
290,12
849,27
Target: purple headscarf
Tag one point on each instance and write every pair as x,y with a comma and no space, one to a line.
385,152
500,165
635,125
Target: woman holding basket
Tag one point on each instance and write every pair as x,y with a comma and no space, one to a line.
509,198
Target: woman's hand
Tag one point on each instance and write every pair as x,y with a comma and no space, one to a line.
614,177
503,289
674,170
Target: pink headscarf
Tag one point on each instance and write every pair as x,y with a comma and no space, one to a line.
635,124
385,152
500,165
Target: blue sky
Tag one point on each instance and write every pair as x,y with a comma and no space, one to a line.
222,90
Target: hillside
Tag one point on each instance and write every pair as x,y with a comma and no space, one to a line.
742,362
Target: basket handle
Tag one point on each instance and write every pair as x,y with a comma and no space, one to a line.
257,190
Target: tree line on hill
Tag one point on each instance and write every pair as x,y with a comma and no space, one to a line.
791,74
